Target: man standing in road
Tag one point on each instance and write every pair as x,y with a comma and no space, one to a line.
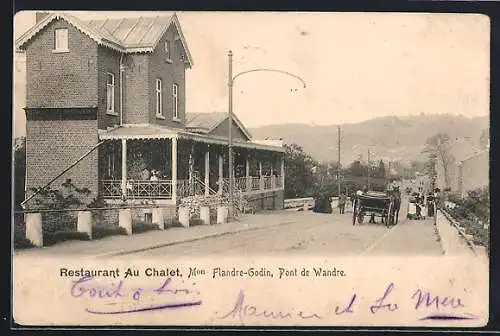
342,201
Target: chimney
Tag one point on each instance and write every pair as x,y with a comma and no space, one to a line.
40,16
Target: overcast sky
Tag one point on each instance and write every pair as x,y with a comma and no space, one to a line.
357,66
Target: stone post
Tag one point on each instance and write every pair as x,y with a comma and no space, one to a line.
205,215
34,231
222,212
84,222
184,216
125,220
158,218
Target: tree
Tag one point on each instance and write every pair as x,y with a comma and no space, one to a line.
357,169
299,175
381,169
438,151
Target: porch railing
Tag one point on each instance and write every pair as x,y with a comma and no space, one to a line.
241,183
267,182
110,188
137,189
255,183
184,188
162,189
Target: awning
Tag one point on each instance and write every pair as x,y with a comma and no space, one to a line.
144,132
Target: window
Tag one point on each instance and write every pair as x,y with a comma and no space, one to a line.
61,40
111,163
175,101
110,93
167,49
159,98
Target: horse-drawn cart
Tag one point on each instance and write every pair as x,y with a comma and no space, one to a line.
374,204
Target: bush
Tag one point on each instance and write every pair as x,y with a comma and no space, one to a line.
139,226
22,243
99,232
473,213
20,240
55,222
173,222
61,236
195,221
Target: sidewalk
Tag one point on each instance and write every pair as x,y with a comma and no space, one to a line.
121,245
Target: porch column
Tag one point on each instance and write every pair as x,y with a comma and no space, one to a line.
247,173
124,167
221,172
273,178
207,171
174,170
261,180
191,164
283,171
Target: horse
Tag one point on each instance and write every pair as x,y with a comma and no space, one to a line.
395,197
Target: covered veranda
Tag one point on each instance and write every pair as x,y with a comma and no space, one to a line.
187,164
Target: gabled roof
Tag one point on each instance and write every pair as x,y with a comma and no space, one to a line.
127,35
207,122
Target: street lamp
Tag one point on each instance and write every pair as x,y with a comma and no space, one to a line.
230,83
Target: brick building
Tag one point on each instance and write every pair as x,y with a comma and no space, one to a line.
107,98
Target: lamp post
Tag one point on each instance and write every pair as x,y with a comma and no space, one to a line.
230,84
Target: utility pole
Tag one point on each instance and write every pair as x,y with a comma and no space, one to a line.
230,135
338,161
368,171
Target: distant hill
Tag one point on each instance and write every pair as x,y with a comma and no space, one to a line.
389,138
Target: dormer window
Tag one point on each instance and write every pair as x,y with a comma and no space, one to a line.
168,57
61,40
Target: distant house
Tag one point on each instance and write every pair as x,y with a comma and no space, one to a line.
467,167
109,96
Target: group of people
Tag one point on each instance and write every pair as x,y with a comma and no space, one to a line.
424,202
154,175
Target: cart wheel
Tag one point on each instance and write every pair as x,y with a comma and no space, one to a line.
361,217
390,216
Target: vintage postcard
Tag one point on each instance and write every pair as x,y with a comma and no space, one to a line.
251,169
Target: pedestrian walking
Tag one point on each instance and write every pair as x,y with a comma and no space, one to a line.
342,202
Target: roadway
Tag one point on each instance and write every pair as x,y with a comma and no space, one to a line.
311,234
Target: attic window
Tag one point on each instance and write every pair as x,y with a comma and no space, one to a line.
168,51
61,39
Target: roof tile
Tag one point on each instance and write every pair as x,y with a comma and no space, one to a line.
204,121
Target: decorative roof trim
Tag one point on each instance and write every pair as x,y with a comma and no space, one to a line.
134,50
175,133
197,129
26,37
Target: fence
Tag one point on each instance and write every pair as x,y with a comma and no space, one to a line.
292,203
142,189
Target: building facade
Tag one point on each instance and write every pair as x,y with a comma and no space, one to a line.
462,167
105,107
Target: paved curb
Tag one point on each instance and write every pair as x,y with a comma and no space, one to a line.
212,235
450,238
